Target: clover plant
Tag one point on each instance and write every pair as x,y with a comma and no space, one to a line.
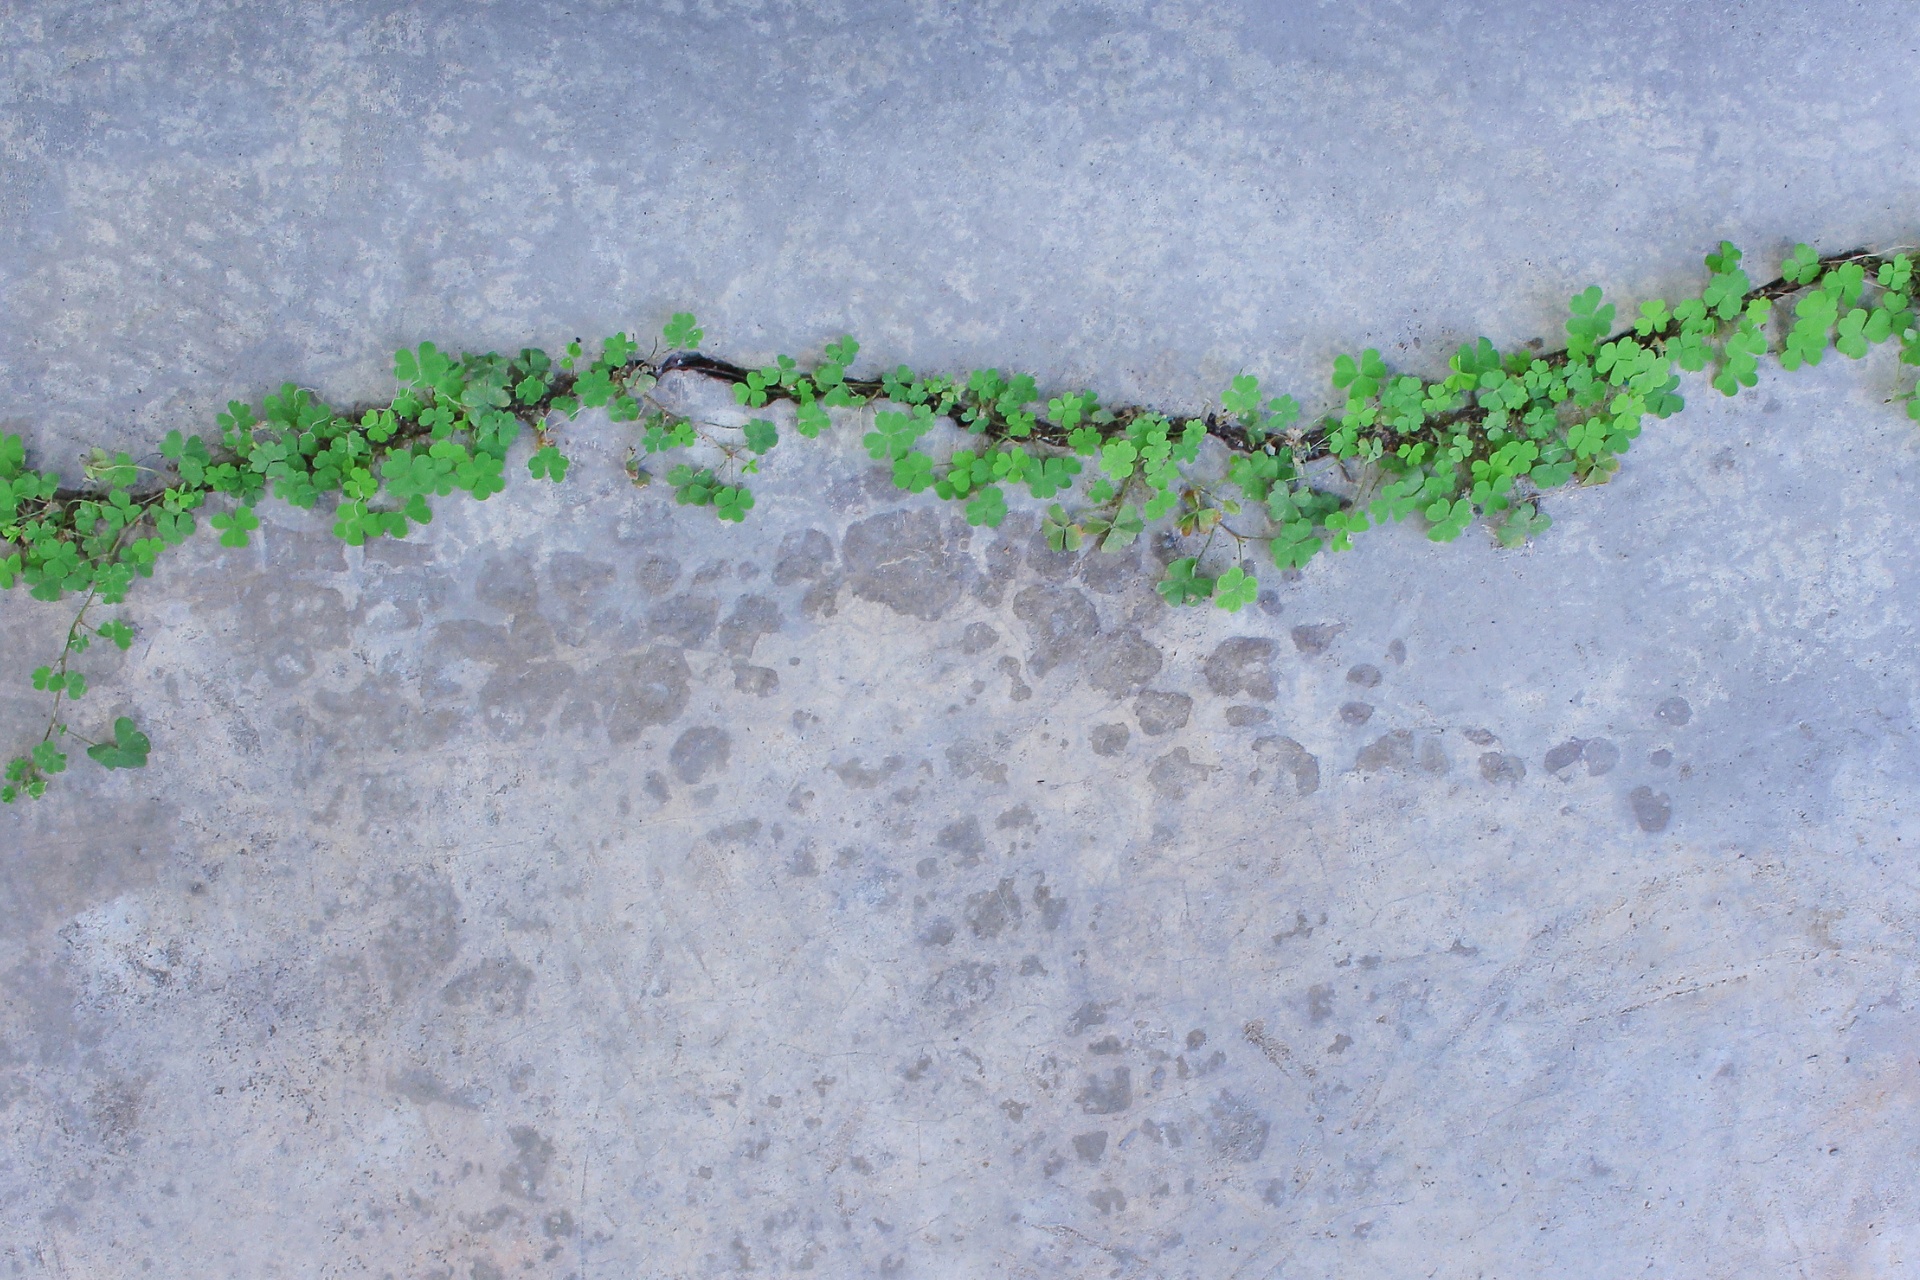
1484,441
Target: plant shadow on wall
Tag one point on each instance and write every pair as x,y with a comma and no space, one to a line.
1483,442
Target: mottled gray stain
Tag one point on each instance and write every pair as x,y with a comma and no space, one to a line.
1160,712
1121,663
903,560
1059,621
700,751
1242,665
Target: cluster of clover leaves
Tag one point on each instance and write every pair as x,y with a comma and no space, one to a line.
1484,441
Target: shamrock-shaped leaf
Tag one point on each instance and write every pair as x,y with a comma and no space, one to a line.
913,471
617,350
843,351
48,758
1724,258
1182,585
1588,322
427,367
1448,519
1851,341
118,631
1726,293
761,435
126,750
893,434
1051,475
548,463
1062,533
732,502
987,507
1125,528
1235,590
1522,523
1801,266
1242,399
234,528
1361,378
681,333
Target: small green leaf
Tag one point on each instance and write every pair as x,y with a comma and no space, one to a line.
913,472
1062,533
681,333
732,502
127,749
761,435
1242,399
987,507
48,758
1182,585
118,631
1125,528
1801,266
617,350
234,528
1522,523
548,463
1235,590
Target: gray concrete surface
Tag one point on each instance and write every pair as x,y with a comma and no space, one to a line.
587,889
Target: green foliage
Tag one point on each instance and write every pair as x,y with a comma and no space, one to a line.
1235,589
760,435
681,333
894,433
548,463
1482,441
1182,584
732,502
235,526
1588,323
127,749
987,507
1802,265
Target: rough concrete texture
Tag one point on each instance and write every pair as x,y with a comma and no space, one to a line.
584,888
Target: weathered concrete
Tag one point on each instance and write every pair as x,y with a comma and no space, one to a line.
585,888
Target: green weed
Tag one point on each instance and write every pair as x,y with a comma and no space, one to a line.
1485,441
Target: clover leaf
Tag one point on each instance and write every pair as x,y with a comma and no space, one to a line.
732,502
761,435
235,527
127,749
987,507
1182,585
681,333
1801,266
548,463
1235,590
913,471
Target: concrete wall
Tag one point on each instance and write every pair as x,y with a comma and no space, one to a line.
585,888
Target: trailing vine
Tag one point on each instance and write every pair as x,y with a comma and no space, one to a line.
1484,441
